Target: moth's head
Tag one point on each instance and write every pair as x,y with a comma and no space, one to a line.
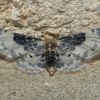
52,41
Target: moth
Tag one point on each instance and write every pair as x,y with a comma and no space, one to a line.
68,53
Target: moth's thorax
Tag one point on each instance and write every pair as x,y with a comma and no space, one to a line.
50,44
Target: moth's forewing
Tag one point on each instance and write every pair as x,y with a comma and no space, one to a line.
14,46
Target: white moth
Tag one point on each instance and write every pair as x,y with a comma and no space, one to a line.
69,53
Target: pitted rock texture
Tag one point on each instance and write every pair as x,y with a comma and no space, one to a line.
41,18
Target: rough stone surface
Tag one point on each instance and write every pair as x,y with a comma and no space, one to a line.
43,18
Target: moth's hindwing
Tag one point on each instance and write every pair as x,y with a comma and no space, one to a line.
31,63
69,62
79,49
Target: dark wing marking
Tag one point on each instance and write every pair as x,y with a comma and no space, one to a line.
28,42
70,62
79,48
15,45
70,42
31,63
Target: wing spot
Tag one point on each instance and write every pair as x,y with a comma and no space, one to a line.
69,55
30,56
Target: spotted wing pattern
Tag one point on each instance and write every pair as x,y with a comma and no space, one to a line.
14,46
31,63
76,50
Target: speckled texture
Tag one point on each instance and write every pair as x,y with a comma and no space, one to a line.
43,18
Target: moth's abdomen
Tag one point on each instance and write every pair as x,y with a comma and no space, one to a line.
50,58
50,62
